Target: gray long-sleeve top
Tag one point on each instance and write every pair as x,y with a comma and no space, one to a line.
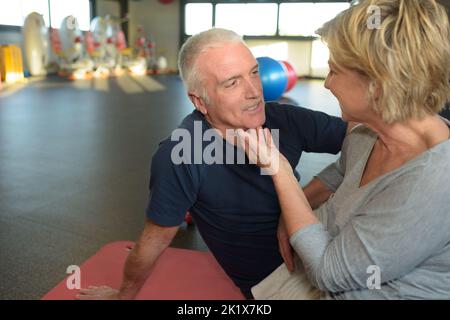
399,223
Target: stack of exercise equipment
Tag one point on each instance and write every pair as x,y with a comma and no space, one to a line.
277,77
36,44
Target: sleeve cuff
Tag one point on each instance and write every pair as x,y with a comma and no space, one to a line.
310,244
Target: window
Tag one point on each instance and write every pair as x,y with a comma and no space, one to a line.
260,18
303,19
198,17
319,59
80,9
18,10
12,16
277,51
253,19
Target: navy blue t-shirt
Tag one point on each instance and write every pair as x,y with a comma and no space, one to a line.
234,207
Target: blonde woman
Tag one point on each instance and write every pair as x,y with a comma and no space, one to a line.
384,233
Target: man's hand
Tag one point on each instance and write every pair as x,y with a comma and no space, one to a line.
98,293
153,240
284,246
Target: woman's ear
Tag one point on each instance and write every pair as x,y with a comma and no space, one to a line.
376,90
198,102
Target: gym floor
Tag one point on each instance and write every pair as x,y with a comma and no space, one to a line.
74,169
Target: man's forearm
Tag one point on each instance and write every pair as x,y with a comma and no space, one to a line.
142,258
316,192
137,269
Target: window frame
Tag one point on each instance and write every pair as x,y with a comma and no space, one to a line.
12,28
277,36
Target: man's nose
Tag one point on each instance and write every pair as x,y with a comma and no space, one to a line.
253,88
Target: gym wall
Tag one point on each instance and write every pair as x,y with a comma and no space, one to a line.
107,7
162,21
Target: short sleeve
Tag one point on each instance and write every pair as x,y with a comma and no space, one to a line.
173,187
318,131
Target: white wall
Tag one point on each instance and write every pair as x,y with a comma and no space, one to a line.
162,21
107,7
10,36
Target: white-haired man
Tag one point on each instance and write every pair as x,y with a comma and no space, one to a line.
235,207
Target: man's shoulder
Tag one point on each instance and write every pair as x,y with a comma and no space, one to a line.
184,141
189,121
276,109
286,115
279,115
187,125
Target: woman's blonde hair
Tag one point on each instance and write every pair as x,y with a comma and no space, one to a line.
402,46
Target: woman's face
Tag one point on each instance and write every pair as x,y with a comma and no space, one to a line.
351,90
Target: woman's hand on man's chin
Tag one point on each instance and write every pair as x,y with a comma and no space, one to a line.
260,149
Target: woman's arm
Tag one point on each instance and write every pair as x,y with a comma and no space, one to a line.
296,211
382,234
295,208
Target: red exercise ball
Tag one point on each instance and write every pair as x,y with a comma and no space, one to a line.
291,75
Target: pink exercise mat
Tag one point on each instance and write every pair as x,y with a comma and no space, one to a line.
179,274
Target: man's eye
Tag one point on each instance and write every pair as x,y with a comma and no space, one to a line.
256,71
230,84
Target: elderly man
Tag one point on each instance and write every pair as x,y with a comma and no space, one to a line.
235,207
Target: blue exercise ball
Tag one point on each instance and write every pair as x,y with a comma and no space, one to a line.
273,78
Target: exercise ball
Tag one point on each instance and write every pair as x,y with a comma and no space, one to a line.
291,75
273,78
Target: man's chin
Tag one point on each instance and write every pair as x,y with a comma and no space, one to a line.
257,119
255,123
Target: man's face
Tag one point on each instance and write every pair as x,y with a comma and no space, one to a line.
231,78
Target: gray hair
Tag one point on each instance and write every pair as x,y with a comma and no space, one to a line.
201,42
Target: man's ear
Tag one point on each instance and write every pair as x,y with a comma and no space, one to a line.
198,102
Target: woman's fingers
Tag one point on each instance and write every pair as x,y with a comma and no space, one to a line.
257,144
268,136
245,143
